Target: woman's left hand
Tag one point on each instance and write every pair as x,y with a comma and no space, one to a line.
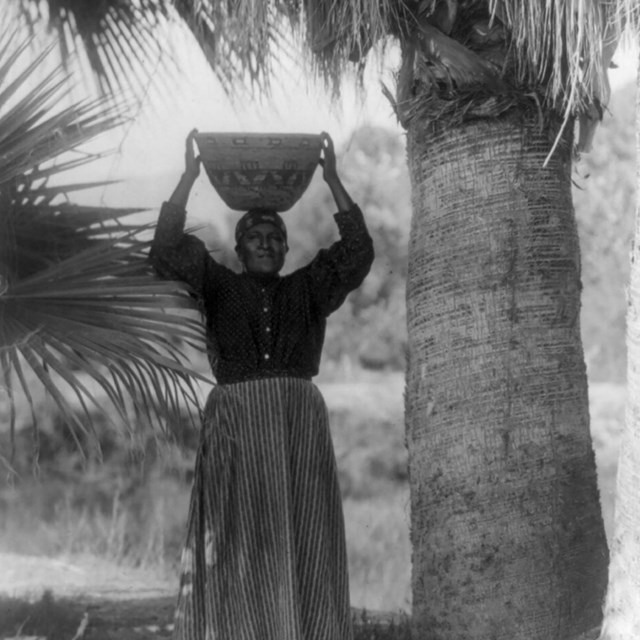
328,159
191,161
330,174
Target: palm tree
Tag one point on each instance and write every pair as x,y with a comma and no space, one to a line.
506,526
80,309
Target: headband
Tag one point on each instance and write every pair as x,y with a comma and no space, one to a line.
255,217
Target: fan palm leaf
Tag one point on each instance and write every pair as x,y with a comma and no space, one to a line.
123,41
120,39
117,39
78,301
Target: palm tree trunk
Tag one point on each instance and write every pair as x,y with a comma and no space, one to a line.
622,609
507,534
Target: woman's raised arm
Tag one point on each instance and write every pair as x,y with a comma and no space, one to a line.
330,173
174,254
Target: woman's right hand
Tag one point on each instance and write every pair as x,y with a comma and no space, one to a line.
191,161
180,194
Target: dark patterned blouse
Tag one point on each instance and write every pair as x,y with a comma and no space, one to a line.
264,327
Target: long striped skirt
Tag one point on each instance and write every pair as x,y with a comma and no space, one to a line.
265,554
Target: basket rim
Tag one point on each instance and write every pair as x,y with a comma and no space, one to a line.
258,134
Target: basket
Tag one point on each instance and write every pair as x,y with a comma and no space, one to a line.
249,170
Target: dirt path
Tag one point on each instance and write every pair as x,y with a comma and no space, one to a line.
137,619
86,618
57,599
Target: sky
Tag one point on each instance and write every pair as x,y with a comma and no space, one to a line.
156,139
149,151
297,106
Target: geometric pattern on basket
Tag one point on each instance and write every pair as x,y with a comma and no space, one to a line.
259,170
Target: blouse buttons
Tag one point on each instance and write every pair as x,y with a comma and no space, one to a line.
265,301
267,329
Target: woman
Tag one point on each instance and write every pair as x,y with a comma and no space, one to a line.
265,553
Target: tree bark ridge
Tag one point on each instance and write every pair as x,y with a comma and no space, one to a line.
507,535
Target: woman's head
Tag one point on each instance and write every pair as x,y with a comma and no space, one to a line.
261,241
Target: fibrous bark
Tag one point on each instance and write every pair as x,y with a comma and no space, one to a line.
508,539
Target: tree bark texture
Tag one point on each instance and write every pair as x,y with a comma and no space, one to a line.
507,533
622,610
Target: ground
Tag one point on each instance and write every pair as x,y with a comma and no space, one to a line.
85,598
123,604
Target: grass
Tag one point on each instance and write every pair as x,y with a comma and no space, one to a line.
46,617
50,618
374,627
132,518
379,551
133,515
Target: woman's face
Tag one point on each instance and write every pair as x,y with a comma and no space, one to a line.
262,249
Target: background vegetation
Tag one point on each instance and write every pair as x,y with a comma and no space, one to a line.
130,507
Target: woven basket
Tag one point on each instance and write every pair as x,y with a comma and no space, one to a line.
270,170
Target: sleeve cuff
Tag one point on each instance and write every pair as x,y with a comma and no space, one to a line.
170,224
172,208
351,222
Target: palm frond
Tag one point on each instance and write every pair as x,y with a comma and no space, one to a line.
124,42
99,312
238,39
479,58
339,34
558,49
78,299
629,13
119,40
564,46
243,39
